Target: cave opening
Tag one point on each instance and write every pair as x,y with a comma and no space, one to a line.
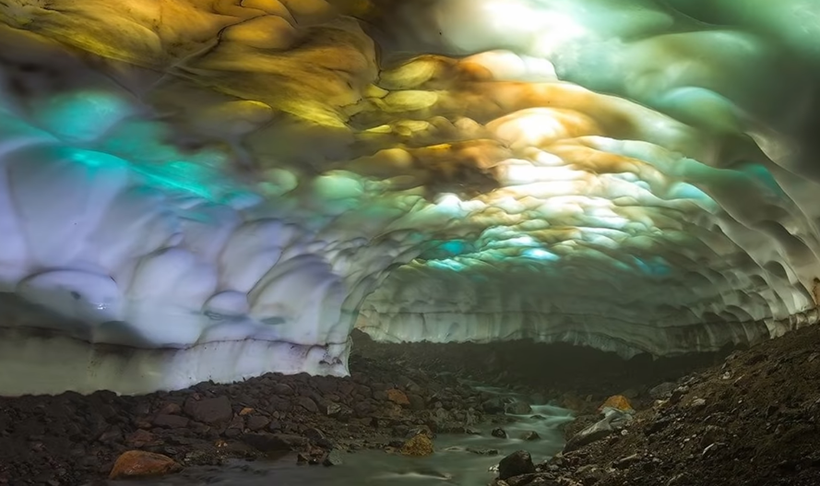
464,241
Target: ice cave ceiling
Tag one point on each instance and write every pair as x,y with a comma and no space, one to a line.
231,186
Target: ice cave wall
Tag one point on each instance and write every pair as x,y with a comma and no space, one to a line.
213,190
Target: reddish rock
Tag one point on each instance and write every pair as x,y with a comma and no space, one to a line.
618,402
137,464
398,397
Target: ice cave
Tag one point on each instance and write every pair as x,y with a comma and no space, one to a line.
212,190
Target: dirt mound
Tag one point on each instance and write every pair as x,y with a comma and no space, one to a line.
751,421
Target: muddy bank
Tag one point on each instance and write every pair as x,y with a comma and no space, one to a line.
752,420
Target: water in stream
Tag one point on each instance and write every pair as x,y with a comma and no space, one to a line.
451,464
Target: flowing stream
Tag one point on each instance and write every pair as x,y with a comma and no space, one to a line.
452,463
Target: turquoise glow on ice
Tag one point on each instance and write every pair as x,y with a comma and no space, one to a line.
539,254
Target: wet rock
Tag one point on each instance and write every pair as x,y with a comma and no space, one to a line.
209,410
493,405
418,446
531,435
333,458
136,464
483,452
518,408
516,464
499,433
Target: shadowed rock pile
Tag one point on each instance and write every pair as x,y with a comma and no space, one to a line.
753,420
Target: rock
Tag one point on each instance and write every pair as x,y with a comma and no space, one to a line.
308,404
420,430
698,403
333,458
275,442
171,421
209,410
531,435
313,434
627,461
137,464
257,422
398,397
418,446
526,480
246,411
113,434
416,402
617,402
333,409
282,389
518,408
516,464
499,433
678,394
662,391
140,438
590,474
493,405
170,409
483,452
593,433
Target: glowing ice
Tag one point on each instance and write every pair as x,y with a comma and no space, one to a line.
221,193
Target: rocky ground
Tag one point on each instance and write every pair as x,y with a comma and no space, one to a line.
753,420
748,418
68,439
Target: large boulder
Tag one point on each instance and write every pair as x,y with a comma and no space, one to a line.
140,464
516,464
